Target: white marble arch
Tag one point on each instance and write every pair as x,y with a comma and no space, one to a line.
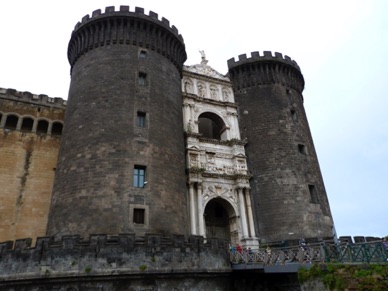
211,193
233,215
226,134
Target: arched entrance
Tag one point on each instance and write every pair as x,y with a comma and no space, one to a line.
220,220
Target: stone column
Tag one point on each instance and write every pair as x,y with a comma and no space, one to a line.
201,222
35,125
19,123
243,216
232,117
249,211
50,127
191,116
195,89
186,114
192,209
2,121
235,124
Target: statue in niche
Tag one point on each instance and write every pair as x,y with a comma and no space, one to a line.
201,90
193,160
225,95
213,93
188,87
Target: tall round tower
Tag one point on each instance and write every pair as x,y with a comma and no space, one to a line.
288,193
121,163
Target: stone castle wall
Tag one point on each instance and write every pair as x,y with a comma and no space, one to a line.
133,261
29,142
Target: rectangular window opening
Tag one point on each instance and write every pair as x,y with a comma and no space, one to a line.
139,176
293,114
143,54
313,194
142,79
138,215
302,149
141,119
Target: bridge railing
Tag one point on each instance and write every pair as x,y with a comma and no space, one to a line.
368,252
313,253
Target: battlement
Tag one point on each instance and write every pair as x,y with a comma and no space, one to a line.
27,97
126,27
267,56
263,70
101,254
125,11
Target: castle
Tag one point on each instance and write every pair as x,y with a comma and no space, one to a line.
151,166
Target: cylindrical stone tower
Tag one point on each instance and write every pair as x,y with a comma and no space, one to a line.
289,197
121,166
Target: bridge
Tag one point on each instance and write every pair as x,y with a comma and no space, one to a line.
290,259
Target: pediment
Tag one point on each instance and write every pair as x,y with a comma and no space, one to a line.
204,69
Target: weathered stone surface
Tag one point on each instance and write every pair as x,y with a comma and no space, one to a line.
163,260
93,189
27,163
280,149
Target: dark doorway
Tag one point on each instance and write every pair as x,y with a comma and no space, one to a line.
218,214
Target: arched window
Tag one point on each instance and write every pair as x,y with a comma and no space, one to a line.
11,122
42,126
27,124
210,125
57,128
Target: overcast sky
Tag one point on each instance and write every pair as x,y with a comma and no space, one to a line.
341,47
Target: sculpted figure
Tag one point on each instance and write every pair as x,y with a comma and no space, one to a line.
201,90
188,87
213,92
225,94
203,57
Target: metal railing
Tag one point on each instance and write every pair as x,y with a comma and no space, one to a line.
372,252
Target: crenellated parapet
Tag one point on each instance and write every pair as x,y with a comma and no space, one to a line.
31,113
101,255
129,28
265,69
27,97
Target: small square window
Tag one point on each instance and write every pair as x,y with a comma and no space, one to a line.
143,54
142,79
138,215
141,119
139,176
302,149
